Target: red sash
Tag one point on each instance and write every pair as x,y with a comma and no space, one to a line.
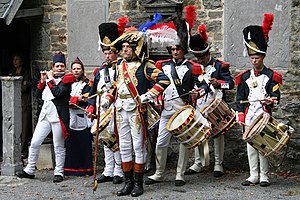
135,94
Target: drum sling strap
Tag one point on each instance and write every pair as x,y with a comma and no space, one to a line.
177,82
107,78
135,94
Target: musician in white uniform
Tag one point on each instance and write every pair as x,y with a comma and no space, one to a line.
104,76
217,75
54,88
257,83
183,74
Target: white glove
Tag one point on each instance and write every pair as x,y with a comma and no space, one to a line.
104,103
144,98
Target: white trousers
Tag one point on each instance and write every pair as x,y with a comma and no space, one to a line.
41,131
164,136
257,173
130,136
162,144
112,163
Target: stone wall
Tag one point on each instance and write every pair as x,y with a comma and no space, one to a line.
49,35
290,104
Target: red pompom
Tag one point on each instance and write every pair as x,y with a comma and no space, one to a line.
190,15
202,32
122,22
131,28
267,24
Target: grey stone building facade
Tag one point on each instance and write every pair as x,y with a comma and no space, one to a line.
71,27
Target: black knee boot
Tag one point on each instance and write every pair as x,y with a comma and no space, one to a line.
138,185
128,184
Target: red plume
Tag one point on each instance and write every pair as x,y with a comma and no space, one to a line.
190,15
267,23
169,25
202,32
122,24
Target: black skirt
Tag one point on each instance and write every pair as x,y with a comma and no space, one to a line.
79,153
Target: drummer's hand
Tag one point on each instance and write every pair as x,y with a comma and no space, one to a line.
197,93
158,103
214,82
194,94
240,118
82,98
268,100
90,111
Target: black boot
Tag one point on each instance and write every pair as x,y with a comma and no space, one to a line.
138,185
128,184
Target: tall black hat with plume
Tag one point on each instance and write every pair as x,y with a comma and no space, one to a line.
256,37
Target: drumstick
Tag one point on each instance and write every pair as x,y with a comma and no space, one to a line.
243,123
92,96
97,93
73,104
255,100
190,92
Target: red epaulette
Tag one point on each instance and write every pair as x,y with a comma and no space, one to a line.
225,65
68,78
159,63
277,76
90,83
238,78
196,69
95,70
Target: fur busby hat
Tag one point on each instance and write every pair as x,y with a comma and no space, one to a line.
198,43
59,57
183,34
109,32
183,27
256,37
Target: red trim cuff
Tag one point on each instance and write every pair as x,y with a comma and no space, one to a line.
41,86
51,83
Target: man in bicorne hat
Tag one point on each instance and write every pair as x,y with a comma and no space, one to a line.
54,88
217,75
135,74
104,76
257,83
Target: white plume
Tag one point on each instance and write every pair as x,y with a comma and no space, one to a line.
162,37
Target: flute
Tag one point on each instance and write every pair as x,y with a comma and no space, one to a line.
55,73
255,100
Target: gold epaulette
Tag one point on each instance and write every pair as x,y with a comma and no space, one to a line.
151,61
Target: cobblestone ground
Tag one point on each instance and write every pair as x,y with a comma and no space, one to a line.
199,186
